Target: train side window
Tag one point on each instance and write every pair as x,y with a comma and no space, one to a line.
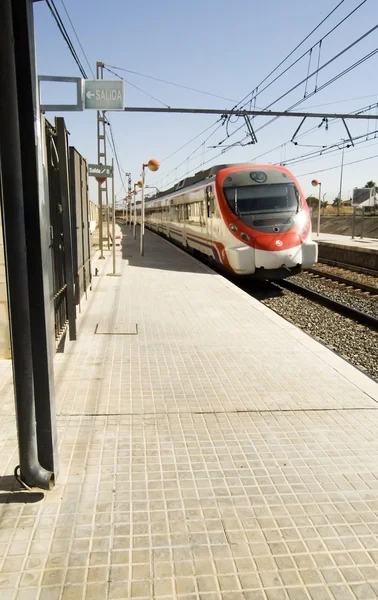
202,214
210,207
210,201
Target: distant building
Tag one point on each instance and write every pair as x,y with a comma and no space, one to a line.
364,197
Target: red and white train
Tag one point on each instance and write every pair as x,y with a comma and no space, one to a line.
251,219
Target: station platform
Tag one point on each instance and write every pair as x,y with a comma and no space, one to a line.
208,450
346,240
342,249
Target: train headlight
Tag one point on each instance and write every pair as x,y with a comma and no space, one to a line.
258,176
244,236
303,221
233,227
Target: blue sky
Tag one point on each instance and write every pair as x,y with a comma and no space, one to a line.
223,49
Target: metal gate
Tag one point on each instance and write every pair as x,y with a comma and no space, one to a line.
80,225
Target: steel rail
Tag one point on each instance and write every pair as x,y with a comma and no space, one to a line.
354,268
339,307
349,282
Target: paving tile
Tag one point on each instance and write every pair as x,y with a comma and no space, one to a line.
181,474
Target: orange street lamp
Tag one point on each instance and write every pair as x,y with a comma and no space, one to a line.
316,183
152,165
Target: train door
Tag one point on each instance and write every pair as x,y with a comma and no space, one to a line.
184,220
210,212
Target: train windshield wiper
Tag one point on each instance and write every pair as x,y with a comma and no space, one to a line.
236,203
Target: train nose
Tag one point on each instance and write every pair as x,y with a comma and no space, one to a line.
277,252
277,243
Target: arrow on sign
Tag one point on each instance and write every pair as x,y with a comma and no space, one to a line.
90,95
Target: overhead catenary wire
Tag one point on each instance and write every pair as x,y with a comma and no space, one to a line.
303,134
306,79
115,152
190,141
329,82
321,40
354,162
290,54
331,149
70,45
194,151
299,45
223,151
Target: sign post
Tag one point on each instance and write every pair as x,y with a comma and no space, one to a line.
100,172
103,94
114,274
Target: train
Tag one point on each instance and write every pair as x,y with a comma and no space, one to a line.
251,220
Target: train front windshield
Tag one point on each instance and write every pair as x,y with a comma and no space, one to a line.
265,199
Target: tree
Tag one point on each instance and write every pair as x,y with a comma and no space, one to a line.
312,201
371,184
337,203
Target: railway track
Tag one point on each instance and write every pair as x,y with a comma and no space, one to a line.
339,307
352,268
343,280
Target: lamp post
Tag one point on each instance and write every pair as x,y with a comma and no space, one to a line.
128,209
134,220
341,177
324,195
153,165
316,183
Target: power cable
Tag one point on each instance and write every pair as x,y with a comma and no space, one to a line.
320,41
226,149
190,141
337,166
114,148
265,79
194,151
358,111
329,82
77,37
332,148
342,101
297,47
138,88
65,35
55,13
185,87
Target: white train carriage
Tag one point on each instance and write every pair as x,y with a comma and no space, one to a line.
251,219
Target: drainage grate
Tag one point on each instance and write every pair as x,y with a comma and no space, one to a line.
119,329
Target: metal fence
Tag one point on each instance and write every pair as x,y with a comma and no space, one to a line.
70,235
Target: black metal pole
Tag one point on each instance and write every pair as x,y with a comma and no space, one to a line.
247,113
39,259
15,257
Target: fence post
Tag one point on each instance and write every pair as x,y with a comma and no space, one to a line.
65,190
362,222
353,222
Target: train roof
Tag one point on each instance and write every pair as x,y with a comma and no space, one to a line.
200,176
